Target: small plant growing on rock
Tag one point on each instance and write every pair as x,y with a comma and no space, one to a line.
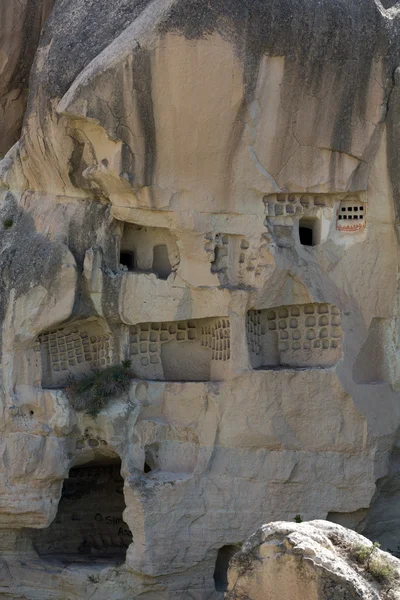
381,569
8,223
298,519
377,566
363,553
92,392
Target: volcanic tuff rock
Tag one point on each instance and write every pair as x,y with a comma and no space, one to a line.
311,561
21,22
210,191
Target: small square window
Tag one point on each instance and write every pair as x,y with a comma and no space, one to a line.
361,208
356,209
350,208
344,209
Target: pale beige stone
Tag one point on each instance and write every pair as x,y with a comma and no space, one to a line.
313,561
176,201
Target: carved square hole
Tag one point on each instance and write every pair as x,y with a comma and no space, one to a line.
309,231
128,259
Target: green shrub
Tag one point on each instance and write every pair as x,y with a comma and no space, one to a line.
381,569
377,566
8,223
298,519
363,553
92,392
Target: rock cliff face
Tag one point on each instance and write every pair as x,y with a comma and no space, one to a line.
21,22
211,192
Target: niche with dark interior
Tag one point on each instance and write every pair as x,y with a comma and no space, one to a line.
148,250
221,566
161,264
309,232
128,259
151,458
89,526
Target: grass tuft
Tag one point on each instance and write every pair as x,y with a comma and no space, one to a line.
362,553
381,569
376,565
92,392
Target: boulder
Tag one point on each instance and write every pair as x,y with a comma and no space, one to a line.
316,560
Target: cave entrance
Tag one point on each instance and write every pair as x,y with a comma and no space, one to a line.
309,231
221,566
128,260
89,526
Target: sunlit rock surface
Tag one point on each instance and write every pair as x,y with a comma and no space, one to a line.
311,561
210,191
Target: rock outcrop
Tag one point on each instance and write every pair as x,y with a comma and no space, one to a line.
204,199
21,23
311,561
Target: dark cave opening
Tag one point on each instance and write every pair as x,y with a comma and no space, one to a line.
222,564
89,526
128,259
309,231
306,236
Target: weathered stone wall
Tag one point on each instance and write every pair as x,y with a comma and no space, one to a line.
211,192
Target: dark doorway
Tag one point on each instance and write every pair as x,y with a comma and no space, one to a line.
161,265
306,236
309,231
151,457
128,259
221,566
89,526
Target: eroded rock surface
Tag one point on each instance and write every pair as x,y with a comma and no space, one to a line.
210,193
311,561
21,23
